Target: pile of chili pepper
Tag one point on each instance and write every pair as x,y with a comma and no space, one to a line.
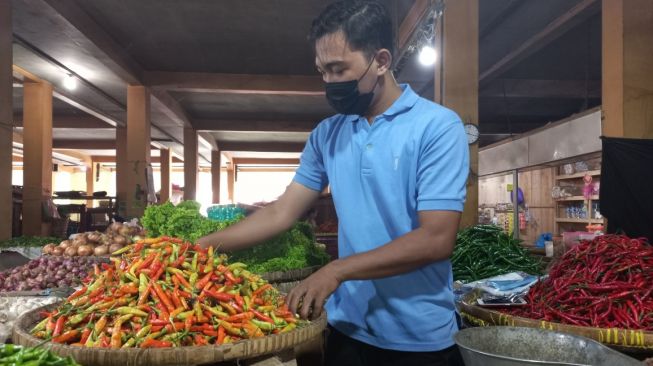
484,251
606,283
164,292
11,355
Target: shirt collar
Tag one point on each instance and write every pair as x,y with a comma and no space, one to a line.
406,100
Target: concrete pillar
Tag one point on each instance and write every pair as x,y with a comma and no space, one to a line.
37,138
231,181
456,82
90,181
121,170
6,119
627,68
190,164
216,161
138,149
166,164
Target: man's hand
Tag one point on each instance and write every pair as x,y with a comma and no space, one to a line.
313,291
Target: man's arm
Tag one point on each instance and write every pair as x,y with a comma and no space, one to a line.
264,223
432,241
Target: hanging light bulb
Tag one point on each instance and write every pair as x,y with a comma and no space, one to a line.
70,82
427,56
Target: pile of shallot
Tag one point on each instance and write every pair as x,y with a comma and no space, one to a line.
96,243
46,272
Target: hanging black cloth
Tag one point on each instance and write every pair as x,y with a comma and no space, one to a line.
626,195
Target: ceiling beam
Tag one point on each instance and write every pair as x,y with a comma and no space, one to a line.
502,11
583,10
411,22
84,107
99,43
264,161
529,88
87,122
112,159
84,144
235,83
261,146
169,105
253,125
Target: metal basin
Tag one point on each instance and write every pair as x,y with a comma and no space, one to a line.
511,346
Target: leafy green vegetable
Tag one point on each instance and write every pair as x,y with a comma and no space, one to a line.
28,241
155,217
293,249
190,205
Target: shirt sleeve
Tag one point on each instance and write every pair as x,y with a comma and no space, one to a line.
311,172
443,167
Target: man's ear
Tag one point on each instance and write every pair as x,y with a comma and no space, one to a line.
384,60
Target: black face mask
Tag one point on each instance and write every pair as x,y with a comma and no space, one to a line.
345,97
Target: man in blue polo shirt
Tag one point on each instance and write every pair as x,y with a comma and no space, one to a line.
397,166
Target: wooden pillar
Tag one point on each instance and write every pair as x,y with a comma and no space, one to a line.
216,162
627,37
138,149
190,164
37,139
231,181
456,82
6,119
121,170
166,164
90,181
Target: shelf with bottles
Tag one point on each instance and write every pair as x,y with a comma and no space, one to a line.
576,195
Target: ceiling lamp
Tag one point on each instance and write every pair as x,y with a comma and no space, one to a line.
427,56
70,82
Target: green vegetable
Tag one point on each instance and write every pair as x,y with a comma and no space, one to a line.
32,356
293,249
485,251
28,241
181,221
155,217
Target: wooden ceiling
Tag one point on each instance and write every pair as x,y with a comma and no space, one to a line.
241,72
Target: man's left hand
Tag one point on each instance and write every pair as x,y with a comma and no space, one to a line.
313,291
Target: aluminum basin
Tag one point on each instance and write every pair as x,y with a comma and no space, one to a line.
511,346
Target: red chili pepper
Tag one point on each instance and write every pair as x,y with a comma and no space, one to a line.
153,343
66,337
261,316
58,327
220,296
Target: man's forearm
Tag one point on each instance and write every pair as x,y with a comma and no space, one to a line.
404,254
261,225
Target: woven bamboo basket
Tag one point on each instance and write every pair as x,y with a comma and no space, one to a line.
626,340
180,356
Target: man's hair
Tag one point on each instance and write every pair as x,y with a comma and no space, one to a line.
366,25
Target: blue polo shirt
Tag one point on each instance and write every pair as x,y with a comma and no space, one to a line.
413,157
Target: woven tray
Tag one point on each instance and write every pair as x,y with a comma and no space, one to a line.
635,341
290,276
181,356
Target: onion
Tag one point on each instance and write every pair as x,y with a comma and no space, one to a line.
94,237
65,244
80,240
101,250
114,227
120,239
85,250
71,252
125,230
115,247
47,249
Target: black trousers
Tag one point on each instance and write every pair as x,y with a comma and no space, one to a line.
342,350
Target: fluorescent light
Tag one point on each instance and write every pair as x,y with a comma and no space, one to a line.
428,56
70,82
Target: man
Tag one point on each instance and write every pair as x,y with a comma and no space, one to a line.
397,166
